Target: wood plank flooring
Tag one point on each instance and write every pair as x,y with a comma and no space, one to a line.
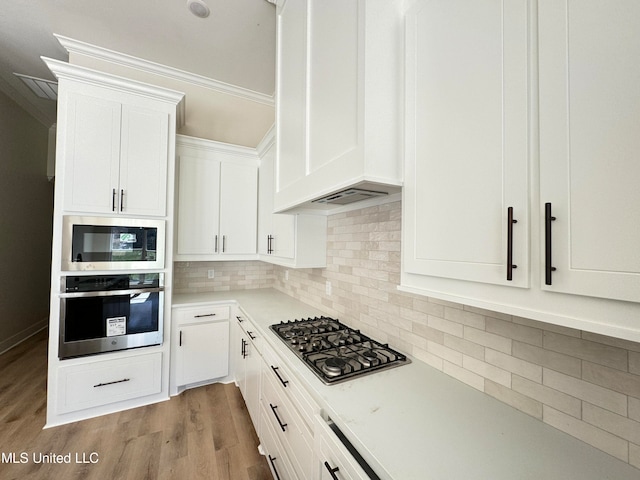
204,433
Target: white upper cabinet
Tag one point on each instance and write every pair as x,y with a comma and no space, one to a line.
535,106
295,240
467,141
113,147
589,144
217,200
338,75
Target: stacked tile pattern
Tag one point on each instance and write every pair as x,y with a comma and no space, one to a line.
584,384
192,277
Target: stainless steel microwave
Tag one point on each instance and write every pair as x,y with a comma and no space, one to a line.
112,243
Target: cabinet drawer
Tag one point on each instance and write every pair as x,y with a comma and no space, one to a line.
334,459
278,461
103,382
206,313
289,385
292,432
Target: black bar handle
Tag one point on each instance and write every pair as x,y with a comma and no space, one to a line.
251,335
111,383
243,350
216,247
510,222
180,341
548,268
332,471
224,242
205,315
122,199
271,460
275,370
113,200
282,425
240,319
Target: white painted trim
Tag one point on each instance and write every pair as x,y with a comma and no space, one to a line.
82,48
267,141
20,337
94,77
212,145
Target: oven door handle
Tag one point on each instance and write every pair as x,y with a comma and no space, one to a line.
111,293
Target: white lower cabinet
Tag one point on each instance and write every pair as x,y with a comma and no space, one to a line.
103,382
248,367
333,461
280,466
201,344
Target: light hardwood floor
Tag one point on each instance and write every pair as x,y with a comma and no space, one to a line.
204,433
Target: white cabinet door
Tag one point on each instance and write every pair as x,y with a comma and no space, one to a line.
198,205
203,352
238,208
252,370
467,140
589,144
143,161
91,152
115,157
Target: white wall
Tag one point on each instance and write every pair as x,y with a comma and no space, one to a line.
26,210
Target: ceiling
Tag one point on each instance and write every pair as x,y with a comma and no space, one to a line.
235,44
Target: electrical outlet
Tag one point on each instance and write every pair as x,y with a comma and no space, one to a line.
210,273
286,274
327,288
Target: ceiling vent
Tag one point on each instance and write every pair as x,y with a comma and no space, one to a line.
47,89
350,195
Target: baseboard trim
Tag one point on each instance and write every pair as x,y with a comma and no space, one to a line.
18,338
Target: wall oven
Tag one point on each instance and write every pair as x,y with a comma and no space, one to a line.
108,243
104,313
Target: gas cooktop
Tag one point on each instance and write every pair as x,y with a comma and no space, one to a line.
335,352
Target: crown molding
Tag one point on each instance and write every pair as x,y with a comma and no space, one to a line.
267,141
78,47
94,77
213,145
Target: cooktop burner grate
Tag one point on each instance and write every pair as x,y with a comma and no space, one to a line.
334,351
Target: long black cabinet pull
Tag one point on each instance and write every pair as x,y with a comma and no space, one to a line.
510,222
269,244
548,268
122,199
251,335
282,425
243,350
271,460
111,383
205,315
113,200
240,319
332,471
275,370
180,341
224,242
216,246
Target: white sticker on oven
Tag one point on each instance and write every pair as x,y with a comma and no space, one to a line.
116,326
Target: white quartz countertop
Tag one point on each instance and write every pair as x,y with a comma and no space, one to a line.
414,422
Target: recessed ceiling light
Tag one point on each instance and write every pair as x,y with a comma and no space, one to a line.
198,8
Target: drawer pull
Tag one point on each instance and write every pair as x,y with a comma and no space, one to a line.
275,470
275,370
548,268
111,383
240,319
251,336
205,315
332,471
282,425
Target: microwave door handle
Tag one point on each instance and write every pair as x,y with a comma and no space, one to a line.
111,293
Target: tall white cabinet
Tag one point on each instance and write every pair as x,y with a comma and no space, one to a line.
217,200
531,105
114,156
337,97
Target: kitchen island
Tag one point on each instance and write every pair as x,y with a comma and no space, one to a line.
415,422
